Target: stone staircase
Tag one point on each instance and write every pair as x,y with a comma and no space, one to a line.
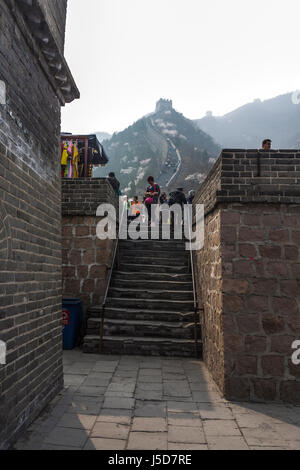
150,306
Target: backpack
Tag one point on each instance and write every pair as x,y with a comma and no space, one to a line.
173,199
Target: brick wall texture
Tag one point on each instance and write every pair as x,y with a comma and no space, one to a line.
249,275
30,235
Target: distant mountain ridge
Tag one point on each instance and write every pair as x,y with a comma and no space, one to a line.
103,136
277,118
164,144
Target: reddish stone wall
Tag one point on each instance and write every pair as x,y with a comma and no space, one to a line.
210,277
86,260
249,274
261,300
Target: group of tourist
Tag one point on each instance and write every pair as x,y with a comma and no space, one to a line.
153,195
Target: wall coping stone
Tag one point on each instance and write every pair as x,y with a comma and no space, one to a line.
82,196
252,176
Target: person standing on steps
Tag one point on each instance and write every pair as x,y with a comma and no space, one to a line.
177,197
152,196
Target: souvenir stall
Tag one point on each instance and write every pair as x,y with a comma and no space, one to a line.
79,154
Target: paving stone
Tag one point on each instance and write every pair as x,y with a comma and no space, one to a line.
75,371
181,446
115,416
91,391
85,405
174,377
150,372
151,364
104,367
256,421
73,437
150,409
126,374
268,448
110,430
124,380
73,379
221,428
184,419
121,387
182,407
149,395
149,424
54,447
174,389
147,441
109,394
262,436
95,382
121,403
77,421
227,443
68,420
101,375
147,387
105,444
210,411
207,397
186,435
288,431
150,379
202,387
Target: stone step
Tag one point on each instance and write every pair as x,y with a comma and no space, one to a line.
141,314
124,282
136,328
148,293
151,260
152,276
164,245
166,254
134,267
142,346
151,304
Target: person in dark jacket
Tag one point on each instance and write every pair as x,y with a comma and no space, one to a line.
177,197
114,182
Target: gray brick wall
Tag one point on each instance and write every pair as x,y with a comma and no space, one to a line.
30,235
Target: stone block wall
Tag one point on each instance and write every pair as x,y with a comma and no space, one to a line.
86,259
30,232
249,277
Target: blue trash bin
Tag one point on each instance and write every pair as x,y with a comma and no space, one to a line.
72,321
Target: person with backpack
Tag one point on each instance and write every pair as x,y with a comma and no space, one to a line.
114,183
177,197
152,196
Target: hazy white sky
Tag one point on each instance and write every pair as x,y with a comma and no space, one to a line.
203,54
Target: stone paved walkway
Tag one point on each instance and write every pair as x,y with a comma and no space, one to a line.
143,403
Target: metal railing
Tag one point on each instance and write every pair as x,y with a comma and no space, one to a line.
192,270
115,261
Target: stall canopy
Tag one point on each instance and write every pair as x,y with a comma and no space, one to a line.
91,152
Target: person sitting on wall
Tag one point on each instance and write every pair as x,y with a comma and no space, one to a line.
267,144
114,182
